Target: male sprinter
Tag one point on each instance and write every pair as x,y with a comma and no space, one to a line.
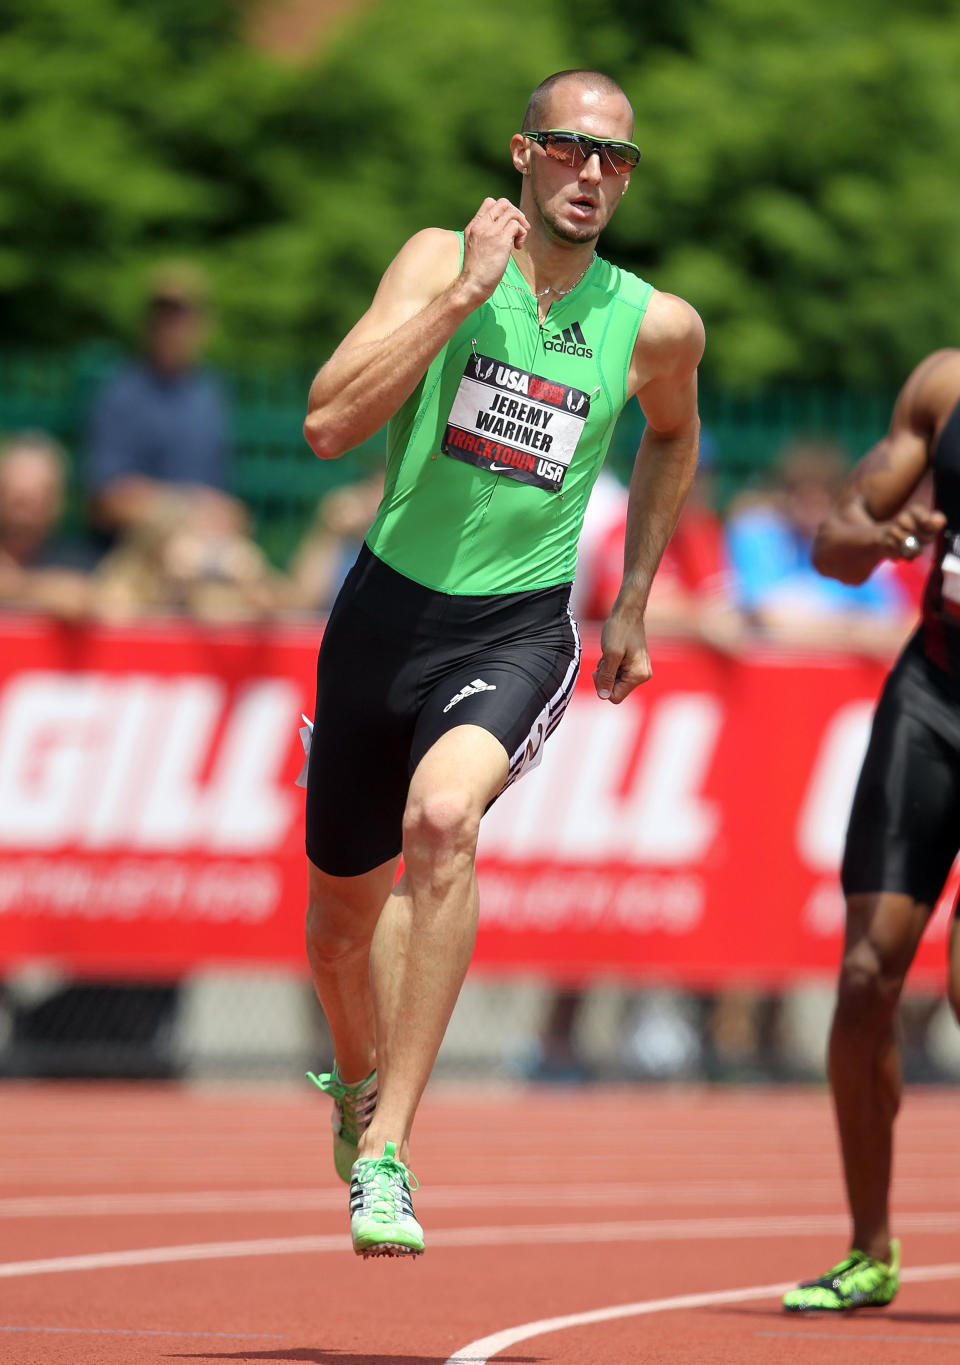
904,829
502,357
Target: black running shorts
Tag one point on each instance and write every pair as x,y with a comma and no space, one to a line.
399,665
904,829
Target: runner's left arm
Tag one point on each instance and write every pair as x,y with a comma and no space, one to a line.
879,508
664,376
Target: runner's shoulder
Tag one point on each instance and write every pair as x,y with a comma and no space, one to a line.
432,248
673,330
423,267
932,389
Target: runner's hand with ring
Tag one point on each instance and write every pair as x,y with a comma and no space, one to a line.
911,530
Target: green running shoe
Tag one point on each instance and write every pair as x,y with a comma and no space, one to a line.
382,1221
857,1282
353,1106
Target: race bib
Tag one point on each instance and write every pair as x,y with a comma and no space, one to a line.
515,423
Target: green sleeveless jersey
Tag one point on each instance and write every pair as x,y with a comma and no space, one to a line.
491,460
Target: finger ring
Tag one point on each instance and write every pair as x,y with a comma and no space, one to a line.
910,547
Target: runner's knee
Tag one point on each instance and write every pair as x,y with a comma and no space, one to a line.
339,920
869,989
328,940
440,824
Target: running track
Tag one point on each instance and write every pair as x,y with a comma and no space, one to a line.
163,1224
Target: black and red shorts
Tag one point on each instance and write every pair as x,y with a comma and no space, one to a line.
904,829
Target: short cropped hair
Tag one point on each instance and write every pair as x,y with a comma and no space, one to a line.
39,444
536,111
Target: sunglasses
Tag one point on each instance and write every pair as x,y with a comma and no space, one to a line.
572,149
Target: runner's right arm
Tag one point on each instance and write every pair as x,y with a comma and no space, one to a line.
422,299
875,512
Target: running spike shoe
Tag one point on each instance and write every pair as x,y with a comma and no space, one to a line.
858,1281
353,1106
382,1221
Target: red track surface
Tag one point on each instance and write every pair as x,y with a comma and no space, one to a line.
538,1204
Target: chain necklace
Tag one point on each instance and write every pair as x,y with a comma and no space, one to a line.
539,293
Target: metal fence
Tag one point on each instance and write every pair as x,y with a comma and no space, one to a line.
260,1023
275,475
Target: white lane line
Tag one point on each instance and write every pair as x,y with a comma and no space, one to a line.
498,1235
481,1351
199,1251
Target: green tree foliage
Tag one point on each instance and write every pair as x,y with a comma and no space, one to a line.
798,182
801,183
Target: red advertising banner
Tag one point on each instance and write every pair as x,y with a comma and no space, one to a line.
149,821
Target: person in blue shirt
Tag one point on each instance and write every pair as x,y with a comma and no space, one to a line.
158,471
159,442
41,568
769,541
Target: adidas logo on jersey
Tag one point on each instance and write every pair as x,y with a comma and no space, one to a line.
570,341
478,685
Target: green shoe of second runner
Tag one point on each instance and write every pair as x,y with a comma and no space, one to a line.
353,1106
858,1281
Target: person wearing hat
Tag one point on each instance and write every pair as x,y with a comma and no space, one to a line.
159,467
159,445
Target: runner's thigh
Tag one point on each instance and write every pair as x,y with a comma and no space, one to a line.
358,771
904,829
517,691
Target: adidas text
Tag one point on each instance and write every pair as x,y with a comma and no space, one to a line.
567,347
570,341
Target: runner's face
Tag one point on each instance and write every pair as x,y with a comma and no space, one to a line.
576,203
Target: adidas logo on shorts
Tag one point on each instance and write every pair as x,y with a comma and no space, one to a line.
478,685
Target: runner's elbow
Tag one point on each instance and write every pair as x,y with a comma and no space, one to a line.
321,437
835,563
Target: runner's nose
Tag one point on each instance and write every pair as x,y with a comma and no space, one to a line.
592,169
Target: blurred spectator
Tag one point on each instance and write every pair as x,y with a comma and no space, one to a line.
213,577
158,467
159,444
600,550
332,543
554,1055
693,593
693,596
770,535
39,567
44,571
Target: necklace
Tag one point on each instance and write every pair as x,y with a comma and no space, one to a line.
539,293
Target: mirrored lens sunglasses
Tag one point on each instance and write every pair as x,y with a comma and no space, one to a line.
572,149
